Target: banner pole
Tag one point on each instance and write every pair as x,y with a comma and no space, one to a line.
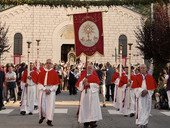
38,64
28,75
86,75
120,72
129,74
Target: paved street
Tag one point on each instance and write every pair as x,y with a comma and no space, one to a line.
65,116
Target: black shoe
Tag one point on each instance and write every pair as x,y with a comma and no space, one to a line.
23,112
118,109
86,125
49,122
3,108
125,115
41,120
30,113
93,124
132,114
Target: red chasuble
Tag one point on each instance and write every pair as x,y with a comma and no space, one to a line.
33,74
150,82
90,79
83,74
52,78
115,76
124,80
41,69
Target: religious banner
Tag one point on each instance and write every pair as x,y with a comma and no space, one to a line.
88,30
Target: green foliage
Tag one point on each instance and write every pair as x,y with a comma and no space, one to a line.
153,39
4,46
79,3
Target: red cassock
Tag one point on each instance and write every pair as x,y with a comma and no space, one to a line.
90,79
33,74
41,69
150,82
83,74
52,78
35,68
115,76
124,80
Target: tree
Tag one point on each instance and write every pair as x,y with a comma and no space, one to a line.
154,41
79,3
4,46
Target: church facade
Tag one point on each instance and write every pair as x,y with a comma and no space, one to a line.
55,31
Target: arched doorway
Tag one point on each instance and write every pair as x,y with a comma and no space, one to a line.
65,49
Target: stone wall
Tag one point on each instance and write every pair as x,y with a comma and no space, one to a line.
48,25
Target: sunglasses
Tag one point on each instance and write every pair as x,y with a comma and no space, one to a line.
48,63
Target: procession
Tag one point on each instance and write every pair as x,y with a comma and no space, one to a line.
85,67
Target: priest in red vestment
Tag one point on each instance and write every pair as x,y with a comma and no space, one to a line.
89,111
24,84
48,81
144,86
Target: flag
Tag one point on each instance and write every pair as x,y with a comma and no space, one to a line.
88,30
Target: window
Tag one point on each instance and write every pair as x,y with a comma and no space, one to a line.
18,44
123,41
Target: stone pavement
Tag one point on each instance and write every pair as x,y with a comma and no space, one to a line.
65,116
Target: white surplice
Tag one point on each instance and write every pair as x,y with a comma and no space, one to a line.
116,94
30,107
89,104
124,101
143,104
47,102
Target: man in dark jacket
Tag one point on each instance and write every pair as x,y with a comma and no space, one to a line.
100,74
2,80
110,86
72,81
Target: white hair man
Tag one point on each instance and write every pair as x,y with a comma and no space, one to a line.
48,81
89,111
144,85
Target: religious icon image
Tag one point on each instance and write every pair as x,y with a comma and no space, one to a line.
88,34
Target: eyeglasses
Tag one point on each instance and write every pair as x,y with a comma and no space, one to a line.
48,63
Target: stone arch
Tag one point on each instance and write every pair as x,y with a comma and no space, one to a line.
5,17
21,10
121,13
125,14
57,41
10,14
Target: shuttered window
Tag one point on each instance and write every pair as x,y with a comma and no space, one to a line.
18,44
123,41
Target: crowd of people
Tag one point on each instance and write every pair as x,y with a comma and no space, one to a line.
130,92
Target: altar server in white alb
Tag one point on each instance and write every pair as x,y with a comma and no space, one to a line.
48,81
115,80
89,111
28,108
143,85
124,84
